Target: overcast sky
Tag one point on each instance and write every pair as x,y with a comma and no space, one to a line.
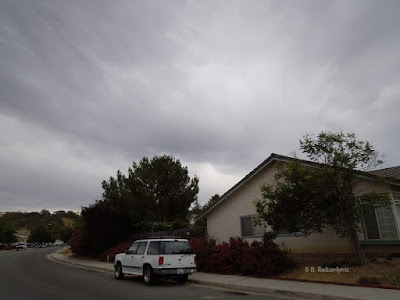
88,87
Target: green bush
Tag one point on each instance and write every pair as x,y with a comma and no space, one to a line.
389,256
373,280
394,278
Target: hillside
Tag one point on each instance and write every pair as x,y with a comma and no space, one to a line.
31,220
60,223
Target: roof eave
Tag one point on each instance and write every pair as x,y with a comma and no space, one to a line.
276,157
259,168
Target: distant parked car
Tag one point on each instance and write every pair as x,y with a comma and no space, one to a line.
4,246
21,246
152,258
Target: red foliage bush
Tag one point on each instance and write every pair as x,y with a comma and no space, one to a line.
114,251
259,259
77,242
204,249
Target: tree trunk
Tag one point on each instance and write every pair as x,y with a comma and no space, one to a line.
356,243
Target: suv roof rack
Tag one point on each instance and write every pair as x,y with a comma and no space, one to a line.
165,237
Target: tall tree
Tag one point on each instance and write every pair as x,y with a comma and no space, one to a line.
7,232
310,199
156,190
42,234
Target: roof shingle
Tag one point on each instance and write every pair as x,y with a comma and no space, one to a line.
388,172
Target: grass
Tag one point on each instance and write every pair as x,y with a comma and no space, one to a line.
67,252
377,270
67,221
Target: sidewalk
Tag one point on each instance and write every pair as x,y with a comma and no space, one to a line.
272,287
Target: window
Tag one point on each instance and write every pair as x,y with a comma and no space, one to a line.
142,248
133,248
169,247
177,247
379,222
154,248
385,221
370,223
249,229
396,201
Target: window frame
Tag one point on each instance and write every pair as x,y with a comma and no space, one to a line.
395,219
252,222
145,243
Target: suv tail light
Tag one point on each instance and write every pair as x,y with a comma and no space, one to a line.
160,260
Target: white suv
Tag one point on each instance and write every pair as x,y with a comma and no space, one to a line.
157,257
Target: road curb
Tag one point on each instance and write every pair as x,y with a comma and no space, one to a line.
267,291
54,258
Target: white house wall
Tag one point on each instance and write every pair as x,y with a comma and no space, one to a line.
223,221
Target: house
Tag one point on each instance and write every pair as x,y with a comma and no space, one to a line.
234,214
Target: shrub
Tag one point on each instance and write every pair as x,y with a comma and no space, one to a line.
78,242
110,253
260,259
353,262
389,256
104,228
365,280
203,249
394,278
347,262
228,257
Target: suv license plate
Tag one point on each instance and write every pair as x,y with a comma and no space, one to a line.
180,271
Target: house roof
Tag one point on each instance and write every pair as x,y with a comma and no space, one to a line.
393,172
388,172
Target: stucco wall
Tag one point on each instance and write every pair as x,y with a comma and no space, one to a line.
367,186
328,242
223,221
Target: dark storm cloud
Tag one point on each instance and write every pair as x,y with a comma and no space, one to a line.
88,87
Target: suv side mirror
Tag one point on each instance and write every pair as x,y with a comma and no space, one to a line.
126,251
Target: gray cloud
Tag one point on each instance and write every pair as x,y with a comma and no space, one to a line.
87,88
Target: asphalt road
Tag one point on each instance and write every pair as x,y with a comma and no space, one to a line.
30,275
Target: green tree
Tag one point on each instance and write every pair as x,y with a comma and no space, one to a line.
42,234
210,202
65,233
156,195
7,232
154,190
196,207
312,198
45,213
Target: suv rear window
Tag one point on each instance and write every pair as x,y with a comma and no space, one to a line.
169,247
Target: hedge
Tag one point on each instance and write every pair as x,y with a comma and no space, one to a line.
259,259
